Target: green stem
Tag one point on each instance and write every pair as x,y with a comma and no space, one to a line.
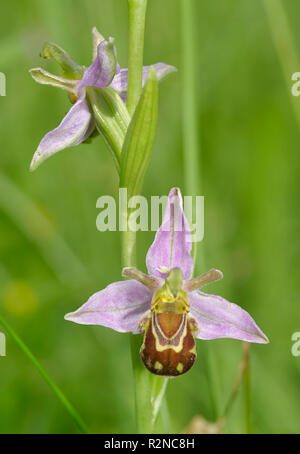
149,390
142,386
141,377
128,248
191,154
136,19
189,100
59,394
247,391
284,45
143,389
240,376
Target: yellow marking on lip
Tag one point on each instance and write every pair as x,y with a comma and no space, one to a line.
179,367
179,347
158,365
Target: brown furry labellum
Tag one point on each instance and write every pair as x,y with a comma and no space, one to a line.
169,347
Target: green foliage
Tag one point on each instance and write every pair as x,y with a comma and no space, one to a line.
111,117
249,176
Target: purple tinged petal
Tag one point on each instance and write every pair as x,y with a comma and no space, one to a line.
103,69
173,241
198,282
71,131
120,81
151,282
162,71
219,318
90,129
123,96
119,306
97,39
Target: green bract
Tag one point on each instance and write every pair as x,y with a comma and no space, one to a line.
111,118
140,138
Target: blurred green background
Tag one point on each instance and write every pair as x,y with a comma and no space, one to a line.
52,257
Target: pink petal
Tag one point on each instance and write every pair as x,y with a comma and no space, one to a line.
119,306
218,318
102,70
120,81
173,241
71,131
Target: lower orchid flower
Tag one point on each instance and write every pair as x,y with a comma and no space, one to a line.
166,305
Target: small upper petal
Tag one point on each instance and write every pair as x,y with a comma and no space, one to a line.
97,39
45,78
119,306
173,242
120,81
71,131
218,318
103,69
162,71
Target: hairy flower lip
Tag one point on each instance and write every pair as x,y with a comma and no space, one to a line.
122,305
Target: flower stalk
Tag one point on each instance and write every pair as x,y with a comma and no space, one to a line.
136,22
247,390
146,412
242,368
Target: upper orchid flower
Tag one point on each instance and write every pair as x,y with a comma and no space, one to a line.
166,306
79,123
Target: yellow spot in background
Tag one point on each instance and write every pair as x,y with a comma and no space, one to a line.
19,298
158,365
179,367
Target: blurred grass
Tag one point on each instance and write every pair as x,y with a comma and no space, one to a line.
250,165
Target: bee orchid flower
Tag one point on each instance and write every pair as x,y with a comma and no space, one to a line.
78,124
166,305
